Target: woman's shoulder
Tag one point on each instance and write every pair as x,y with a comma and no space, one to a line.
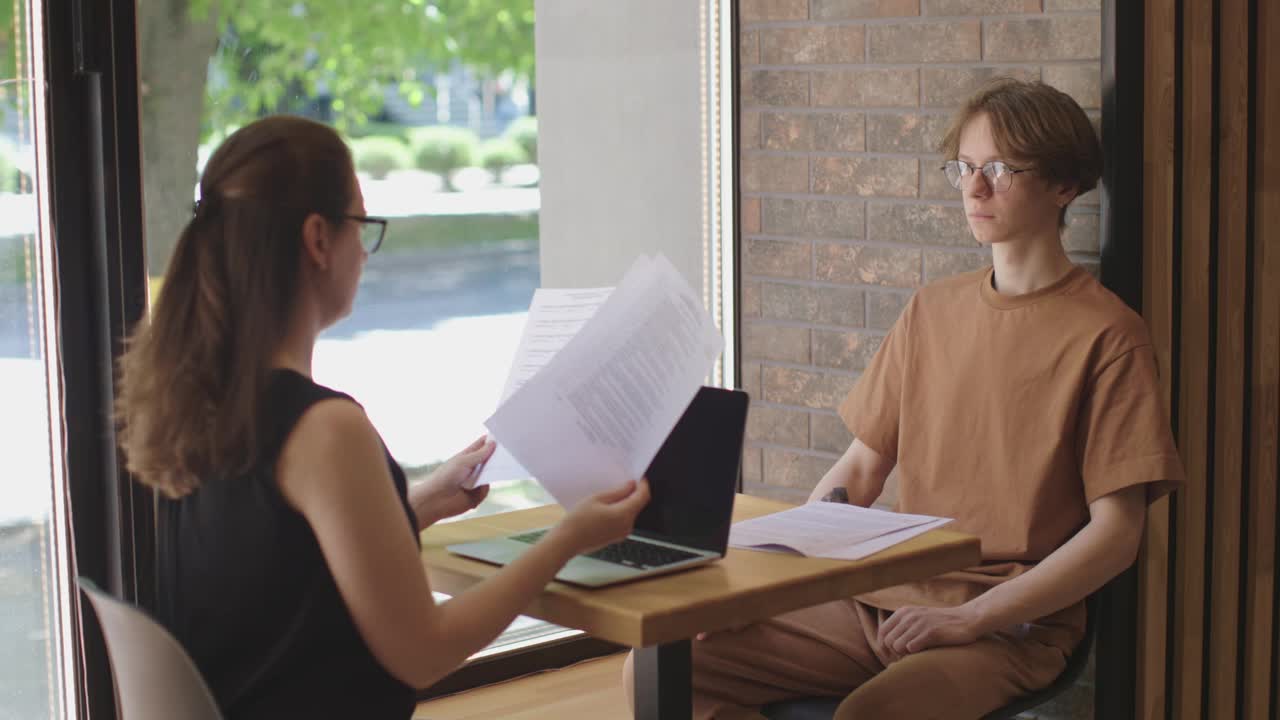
284,384
295,405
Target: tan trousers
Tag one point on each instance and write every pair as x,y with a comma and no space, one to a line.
832,650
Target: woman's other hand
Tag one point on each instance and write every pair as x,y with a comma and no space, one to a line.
603,518
442,494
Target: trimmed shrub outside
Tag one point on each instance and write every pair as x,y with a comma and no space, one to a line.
524,132
498,154
442,149
379,155
378,128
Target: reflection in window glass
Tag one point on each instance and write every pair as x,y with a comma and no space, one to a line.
435,99
30,613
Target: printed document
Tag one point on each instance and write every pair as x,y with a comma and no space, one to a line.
595,415
830,530
555,316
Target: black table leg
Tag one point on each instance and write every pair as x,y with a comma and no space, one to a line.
664,682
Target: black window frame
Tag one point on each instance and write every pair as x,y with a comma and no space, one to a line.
91,140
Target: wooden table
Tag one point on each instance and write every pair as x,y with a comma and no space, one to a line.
658,616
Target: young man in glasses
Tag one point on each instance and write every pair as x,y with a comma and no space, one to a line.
1021,400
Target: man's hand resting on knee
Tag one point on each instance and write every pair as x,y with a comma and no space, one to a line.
912,629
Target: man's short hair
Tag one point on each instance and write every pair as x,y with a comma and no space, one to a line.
1037,124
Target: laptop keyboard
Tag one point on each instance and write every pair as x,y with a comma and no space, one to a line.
629,552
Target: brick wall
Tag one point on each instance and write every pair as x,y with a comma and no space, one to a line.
844,212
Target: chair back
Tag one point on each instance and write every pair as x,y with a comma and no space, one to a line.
154,677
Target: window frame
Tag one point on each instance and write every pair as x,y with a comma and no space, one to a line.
91,130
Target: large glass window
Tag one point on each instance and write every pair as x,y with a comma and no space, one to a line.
33,607
438,100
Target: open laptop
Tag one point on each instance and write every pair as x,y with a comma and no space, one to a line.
692,480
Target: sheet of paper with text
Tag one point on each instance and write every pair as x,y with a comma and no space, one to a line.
596,414
555,316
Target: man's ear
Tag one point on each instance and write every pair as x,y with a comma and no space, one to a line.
316,240
1064,194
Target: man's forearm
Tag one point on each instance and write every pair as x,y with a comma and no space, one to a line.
1099,552
841,484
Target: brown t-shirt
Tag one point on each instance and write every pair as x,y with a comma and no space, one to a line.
1011,415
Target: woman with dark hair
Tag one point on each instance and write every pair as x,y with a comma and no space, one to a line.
288,549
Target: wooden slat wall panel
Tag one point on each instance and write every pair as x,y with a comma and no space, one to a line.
1229,405
1157,300
1208,638
1260,677
1195,331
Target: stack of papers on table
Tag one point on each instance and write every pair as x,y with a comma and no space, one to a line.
830,530
600,378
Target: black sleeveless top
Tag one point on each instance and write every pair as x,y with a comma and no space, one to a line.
244,587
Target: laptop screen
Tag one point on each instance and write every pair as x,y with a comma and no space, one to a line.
694,476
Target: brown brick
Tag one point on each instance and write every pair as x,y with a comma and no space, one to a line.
749,131
781,343
751,216
950,87
1060,5
853,264
840,306
804,388
806,303
925,42
788,302
828,433
865,176
1082,233
842,350
883,308
778,425
980,7
794,496
749,47
794,470
840,219
841,132
918,224
778,258
878,87
933,182
765,10
774,173
750,299
906,133
805,45
775,87
847,9
1081,82
942,263
752,466
750,379
1062,37
787,131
